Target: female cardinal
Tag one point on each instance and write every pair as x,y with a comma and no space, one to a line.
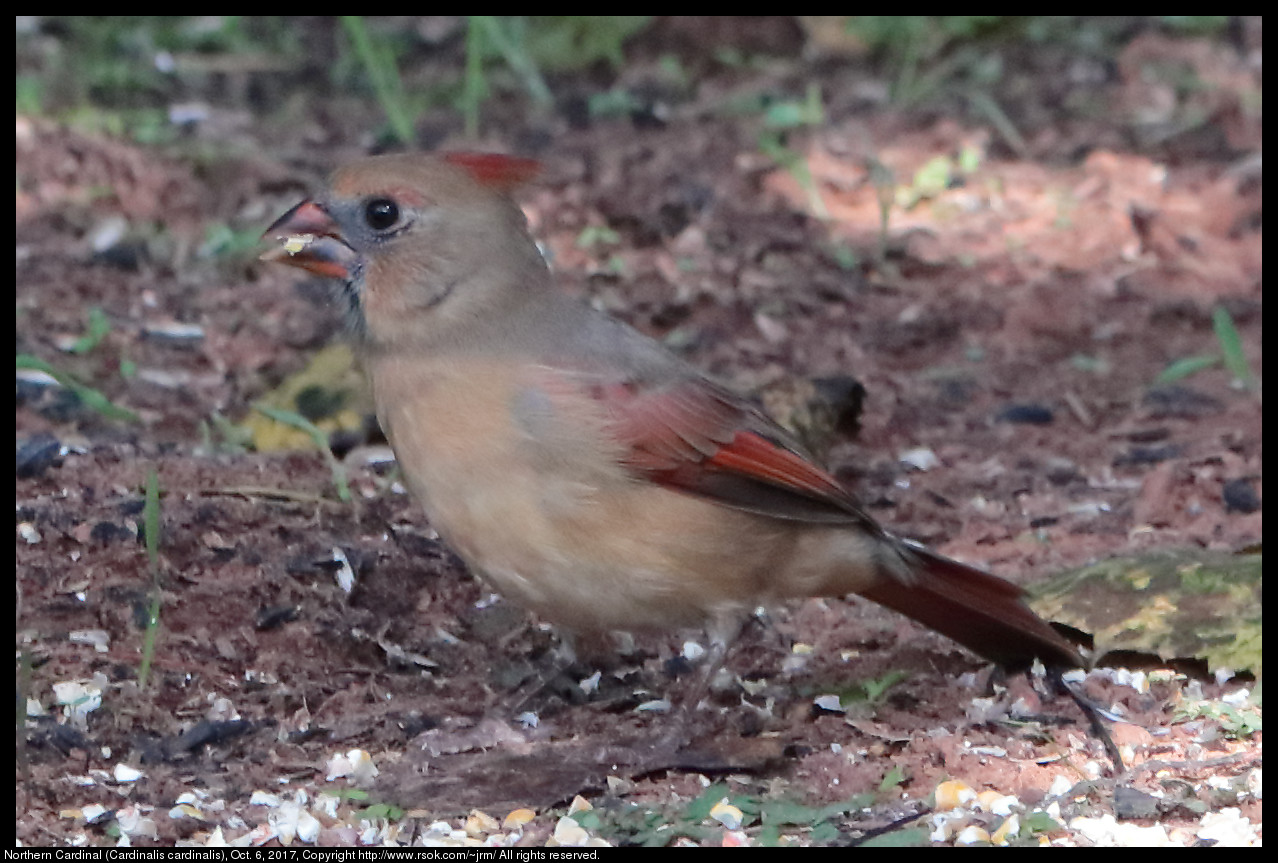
576,464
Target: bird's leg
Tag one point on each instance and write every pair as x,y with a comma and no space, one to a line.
563,657
722,632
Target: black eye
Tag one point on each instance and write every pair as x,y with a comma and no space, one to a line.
381,213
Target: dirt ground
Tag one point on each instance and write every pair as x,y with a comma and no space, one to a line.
1009,328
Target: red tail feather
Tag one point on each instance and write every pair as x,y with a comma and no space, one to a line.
978,610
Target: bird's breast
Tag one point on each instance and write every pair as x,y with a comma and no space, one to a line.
518,475
504,476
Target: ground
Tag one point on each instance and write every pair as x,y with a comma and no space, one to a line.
1009,326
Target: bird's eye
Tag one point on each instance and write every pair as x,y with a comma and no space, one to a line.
381,213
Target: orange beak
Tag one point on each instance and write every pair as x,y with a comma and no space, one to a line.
311,240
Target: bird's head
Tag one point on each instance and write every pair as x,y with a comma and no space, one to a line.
419,241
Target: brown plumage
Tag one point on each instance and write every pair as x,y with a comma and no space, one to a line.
577,465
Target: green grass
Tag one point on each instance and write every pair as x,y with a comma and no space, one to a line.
766,818
1184,367
317,434
779,119
522,46
91,398
1236,723
1231,354
97,330
382,69
1231,347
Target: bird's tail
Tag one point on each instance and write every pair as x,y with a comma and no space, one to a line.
981,611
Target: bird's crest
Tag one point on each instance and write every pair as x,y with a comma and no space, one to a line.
495,170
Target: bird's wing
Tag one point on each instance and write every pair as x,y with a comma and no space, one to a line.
693,436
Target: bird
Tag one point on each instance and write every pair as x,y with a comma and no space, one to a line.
580,467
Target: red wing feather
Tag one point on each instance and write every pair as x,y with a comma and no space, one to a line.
754,456
697,438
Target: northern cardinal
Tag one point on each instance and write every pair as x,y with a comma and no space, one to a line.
577,465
